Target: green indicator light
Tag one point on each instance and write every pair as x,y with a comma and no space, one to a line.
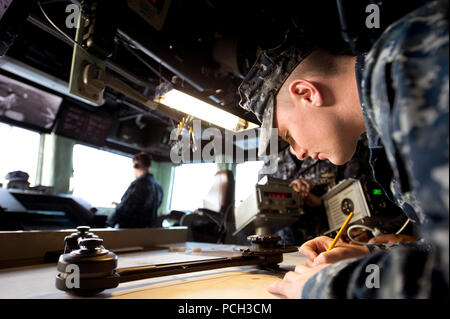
377,191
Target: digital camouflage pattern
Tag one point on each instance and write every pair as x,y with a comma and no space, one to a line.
264,80
139,205
269,72
404,92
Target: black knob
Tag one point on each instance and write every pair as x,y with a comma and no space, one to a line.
347,206
83,229
91,243
264,238
71,242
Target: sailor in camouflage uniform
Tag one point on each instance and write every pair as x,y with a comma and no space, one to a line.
139,205
287,166
403,85
315,172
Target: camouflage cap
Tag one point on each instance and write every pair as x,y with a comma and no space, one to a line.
265,78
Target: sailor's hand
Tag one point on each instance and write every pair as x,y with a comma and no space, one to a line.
316,251
360,235
392,239
292,284
301,186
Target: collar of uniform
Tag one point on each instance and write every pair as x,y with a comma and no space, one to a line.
373,137
143,176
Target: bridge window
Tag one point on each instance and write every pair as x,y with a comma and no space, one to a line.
19,149
191,185
100,177
246,179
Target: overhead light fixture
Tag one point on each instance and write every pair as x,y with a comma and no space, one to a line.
166,94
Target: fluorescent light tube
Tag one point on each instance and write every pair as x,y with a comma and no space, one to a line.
190,105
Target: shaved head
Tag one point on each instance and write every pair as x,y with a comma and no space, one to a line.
318,110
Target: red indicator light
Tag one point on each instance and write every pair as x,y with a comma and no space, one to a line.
277,195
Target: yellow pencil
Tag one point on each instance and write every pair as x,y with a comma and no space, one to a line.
340,232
